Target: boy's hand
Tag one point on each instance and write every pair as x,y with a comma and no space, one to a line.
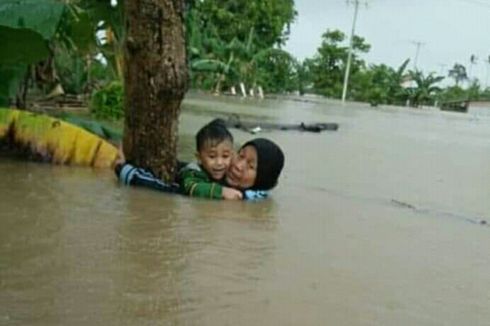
231,194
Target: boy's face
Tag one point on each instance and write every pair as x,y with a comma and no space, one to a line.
215,158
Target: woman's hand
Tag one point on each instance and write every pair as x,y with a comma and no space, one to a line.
231,194
120,159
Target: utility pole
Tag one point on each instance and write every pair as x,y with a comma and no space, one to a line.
349,57
486,77
418,44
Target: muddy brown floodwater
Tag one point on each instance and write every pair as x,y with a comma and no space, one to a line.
379,223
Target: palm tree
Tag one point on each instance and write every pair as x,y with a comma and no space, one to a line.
458,73
473,60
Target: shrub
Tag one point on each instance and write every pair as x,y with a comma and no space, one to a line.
108,102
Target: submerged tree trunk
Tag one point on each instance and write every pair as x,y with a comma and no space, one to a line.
155,74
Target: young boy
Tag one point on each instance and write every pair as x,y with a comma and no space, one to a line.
214,151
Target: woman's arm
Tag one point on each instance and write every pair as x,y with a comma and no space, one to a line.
255,194
130,175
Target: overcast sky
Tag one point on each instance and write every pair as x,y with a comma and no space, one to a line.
451,31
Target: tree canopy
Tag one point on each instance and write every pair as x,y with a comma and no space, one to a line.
77,45
229,19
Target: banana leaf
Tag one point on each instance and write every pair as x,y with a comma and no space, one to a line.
54,140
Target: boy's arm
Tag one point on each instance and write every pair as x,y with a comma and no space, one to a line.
128,174
196,183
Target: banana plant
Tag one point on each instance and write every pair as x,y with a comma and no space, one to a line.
26,27
396,92
425,88
36,32
53,140
220,60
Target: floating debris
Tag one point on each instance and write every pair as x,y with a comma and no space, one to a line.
253,127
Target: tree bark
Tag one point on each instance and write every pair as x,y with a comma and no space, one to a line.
155,74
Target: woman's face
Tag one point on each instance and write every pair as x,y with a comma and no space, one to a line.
243,168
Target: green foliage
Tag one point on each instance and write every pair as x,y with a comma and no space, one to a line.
425,89
458,73
233,41
79,75
453,93
22,46
278,71
108,102
92,28
76,33
229,19
229,42
36,31
380,84
26,26
376,96
10,77
41,16
384,85
472,93
327,67
71,71
98,128
485,94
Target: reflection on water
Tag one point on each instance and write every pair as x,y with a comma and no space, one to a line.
369,225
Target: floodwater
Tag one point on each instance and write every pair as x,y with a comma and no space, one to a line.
383,222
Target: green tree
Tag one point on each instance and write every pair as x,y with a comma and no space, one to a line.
234,18
328,65
453,93
236,41
277,70
458,73
242,62
383,84
303,77
425,88
474,92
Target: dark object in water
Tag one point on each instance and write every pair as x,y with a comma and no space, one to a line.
403,204
234,121
455,106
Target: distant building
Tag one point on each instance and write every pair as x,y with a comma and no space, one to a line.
408,82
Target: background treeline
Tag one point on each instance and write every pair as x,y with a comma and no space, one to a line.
75,47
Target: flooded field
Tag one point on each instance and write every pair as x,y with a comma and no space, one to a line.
383,222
